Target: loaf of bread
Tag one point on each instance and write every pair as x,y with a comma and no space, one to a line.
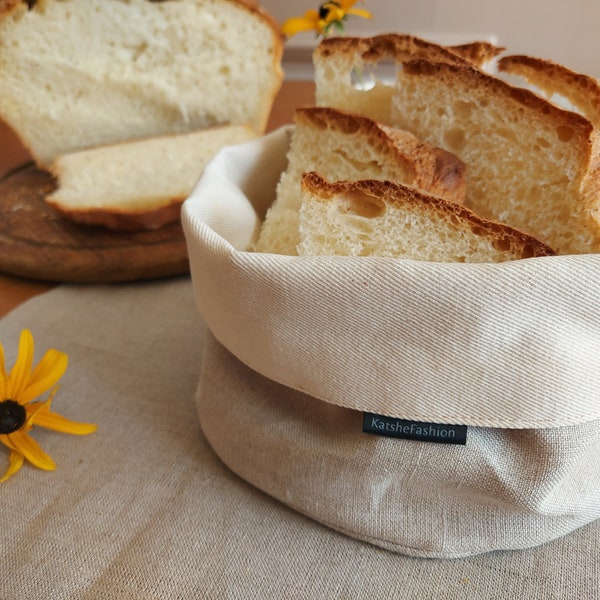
382,218
346,146
140,184
530,163
76,74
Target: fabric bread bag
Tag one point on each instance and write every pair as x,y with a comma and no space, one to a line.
316,366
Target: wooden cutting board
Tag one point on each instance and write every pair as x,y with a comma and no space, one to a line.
36,242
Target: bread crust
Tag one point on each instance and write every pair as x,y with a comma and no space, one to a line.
399,47
488,84
12,7
433,169
124,220
477,53
581,90
395,195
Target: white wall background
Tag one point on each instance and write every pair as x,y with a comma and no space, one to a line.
567,31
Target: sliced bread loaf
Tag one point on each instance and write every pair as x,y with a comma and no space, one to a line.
381,218
530,164
140,184
81,73
347,146
347,68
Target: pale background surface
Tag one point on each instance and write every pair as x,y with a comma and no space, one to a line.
564,31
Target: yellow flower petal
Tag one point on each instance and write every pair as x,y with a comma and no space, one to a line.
31,450
21,371
295,25
51,420
46,374
335,13
3,375
16,461
360,12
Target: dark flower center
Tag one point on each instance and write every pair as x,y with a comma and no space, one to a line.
12,416
325,8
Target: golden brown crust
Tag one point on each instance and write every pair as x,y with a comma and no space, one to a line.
432,169
125,220
581,90
12,7
436,171
489,84
398,47
478,52
503,237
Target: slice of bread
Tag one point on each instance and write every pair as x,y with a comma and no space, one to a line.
381,218
580,91
347,69
346,146
81,73
530,164
140,184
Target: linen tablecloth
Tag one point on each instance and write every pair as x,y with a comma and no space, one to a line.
143,509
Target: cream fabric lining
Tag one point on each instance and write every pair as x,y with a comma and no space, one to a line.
512,345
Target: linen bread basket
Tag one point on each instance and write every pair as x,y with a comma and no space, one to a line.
329,382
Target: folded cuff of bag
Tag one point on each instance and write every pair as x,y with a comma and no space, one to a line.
510,345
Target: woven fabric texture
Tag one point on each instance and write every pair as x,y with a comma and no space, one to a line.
511,345
144,510
512,350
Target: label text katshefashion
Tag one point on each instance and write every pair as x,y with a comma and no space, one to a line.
414,430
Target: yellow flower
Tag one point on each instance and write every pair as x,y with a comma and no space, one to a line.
330,14
18,411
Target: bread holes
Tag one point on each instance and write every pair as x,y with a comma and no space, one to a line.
508,135
454,139
503,245
361,205
463,110
543,143
372,167
366,78
528,251
477,230
564,133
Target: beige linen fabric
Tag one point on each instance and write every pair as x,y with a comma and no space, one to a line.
144,510
506,489
511,350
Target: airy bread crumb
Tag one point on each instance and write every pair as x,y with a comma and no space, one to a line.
76,74
382,218
139,184
346,146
